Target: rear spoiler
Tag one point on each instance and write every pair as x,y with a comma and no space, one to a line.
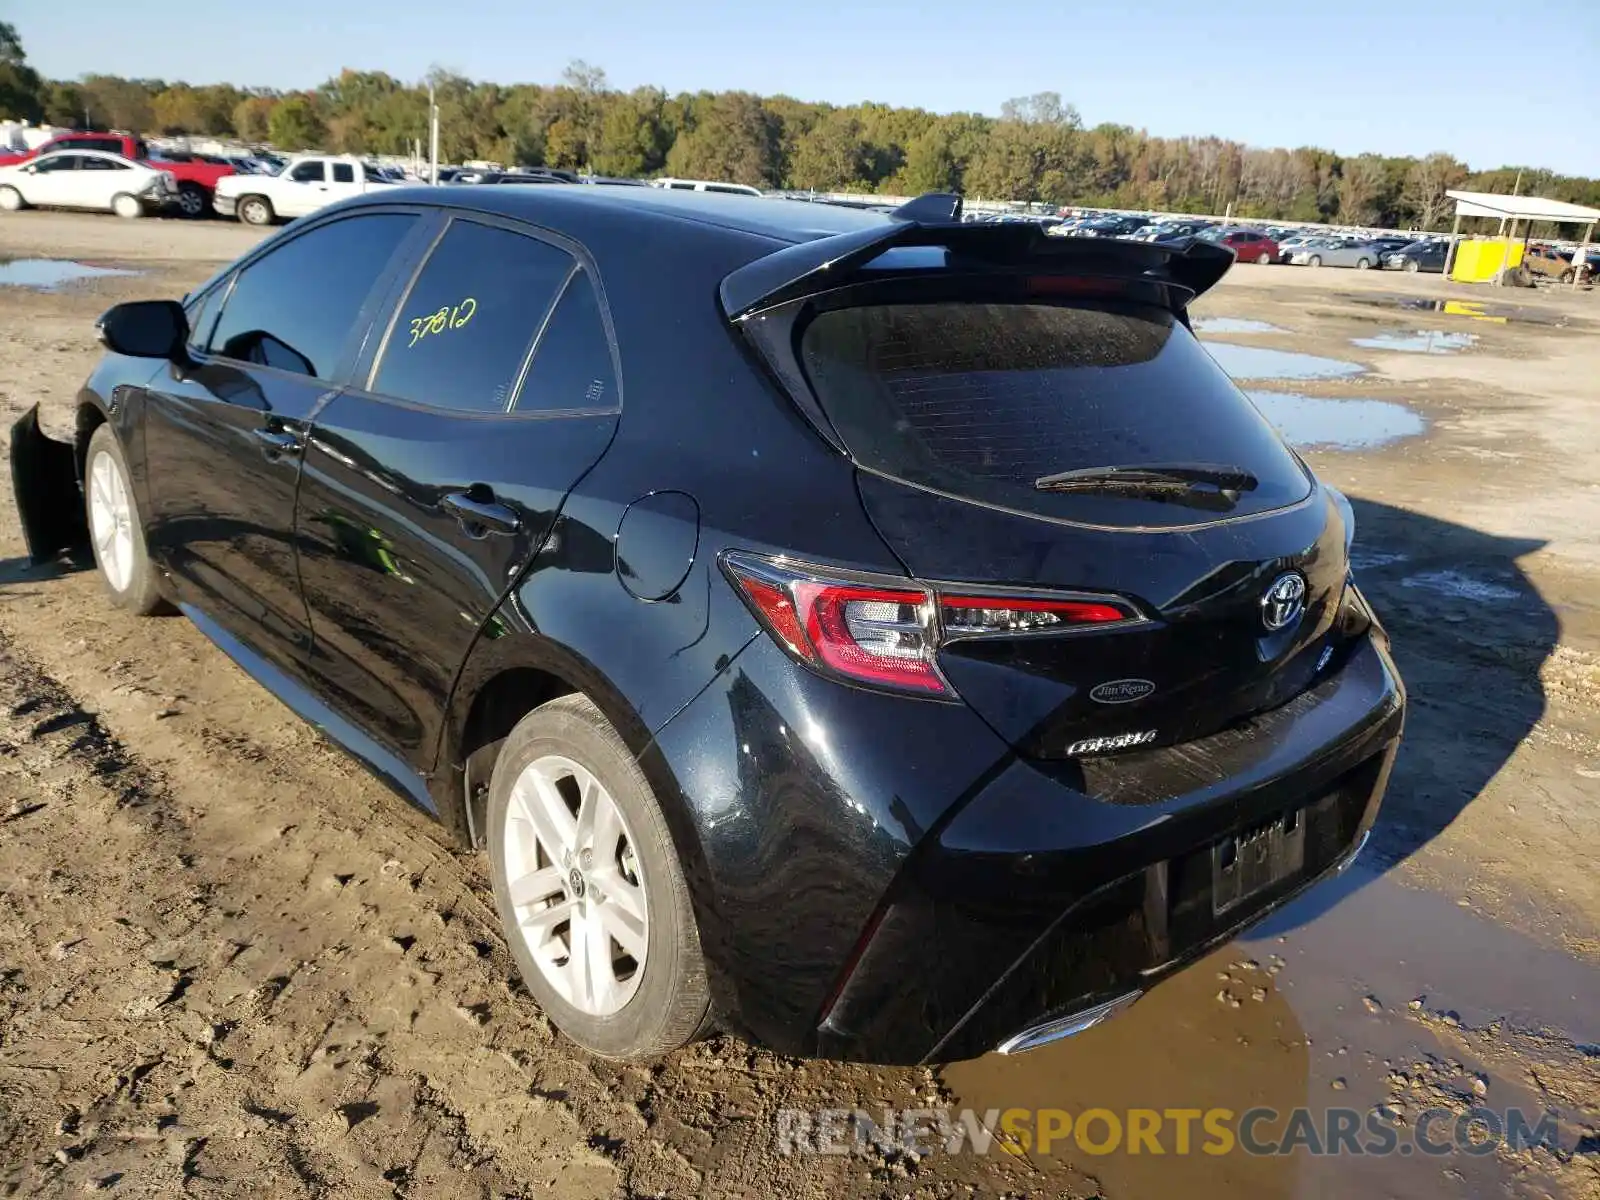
806,268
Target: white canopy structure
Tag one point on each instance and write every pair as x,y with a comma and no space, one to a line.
1519,208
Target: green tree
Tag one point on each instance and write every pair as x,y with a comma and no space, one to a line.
930,164
296,125
731,138
834,156
21,89
252,117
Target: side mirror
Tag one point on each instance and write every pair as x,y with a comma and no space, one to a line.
146,329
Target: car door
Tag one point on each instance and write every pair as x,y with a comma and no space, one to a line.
223,435
50,181
343,180
98,179
307,189
428,487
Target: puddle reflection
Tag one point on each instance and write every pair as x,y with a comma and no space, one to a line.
1322,1017
47,274
1423,341
1315,421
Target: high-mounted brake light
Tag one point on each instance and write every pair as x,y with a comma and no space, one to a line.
885,631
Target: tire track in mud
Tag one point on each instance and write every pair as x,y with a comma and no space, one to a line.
234,965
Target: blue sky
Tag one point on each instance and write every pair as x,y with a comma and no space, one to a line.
1391,76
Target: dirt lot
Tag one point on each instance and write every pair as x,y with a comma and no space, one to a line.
232,964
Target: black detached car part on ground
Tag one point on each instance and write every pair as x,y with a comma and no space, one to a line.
885,637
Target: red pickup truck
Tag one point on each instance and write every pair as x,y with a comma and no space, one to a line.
196,180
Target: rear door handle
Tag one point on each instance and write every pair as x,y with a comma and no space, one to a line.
481,515
275,443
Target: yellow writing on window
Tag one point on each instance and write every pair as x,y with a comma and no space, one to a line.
448,317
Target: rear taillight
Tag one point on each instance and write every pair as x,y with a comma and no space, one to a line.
884,630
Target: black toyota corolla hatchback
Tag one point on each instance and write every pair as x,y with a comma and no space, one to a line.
884,637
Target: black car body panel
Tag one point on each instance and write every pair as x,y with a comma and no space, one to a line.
414,547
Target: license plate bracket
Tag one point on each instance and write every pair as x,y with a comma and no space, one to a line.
1253,860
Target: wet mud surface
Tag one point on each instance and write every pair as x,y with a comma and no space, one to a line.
232,964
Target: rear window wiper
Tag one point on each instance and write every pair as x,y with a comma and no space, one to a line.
1151,478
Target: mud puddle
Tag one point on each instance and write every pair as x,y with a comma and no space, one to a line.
48,274
1399,1006
1422,341
1480,310
1316,421
1265,362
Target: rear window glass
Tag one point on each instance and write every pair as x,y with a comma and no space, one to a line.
980,400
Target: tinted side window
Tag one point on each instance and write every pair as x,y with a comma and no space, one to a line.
294,307
201,314
463,331
112,145
344,173
57,162
90,163
572,364
307,172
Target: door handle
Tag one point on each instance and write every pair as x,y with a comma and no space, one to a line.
478,514
275,443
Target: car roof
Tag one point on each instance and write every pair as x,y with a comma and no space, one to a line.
780,220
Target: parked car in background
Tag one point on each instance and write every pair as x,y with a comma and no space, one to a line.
1248,245
306,183
485,178
1549,262
705,185
1426,255
195,179
1389,244
87,179
1335,252
920,712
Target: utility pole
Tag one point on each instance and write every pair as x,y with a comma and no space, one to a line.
433,137
1516,188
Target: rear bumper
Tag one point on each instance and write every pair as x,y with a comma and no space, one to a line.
1051,893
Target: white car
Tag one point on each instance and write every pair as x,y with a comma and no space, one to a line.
92,179
305,184
705,185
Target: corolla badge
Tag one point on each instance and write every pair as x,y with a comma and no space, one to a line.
1284,601
1121,691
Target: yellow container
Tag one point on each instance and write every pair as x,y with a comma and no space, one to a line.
1480,260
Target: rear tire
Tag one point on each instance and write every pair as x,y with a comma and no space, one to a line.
1413,266
1263,258
255,210
1362,264
127,207
192,201
11,200
115,530
1314,261
550,876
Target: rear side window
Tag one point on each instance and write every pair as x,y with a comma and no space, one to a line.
572,364
464,331
294,307
980,400
344,173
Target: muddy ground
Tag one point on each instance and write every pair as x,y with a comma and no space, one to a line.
232,964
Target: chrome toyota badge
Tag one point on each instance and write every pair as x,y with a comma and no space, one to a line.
1284,601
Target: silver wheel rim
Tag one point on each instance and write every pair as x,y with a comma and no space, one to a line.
111,521
255,213
576,885
10,199
125,206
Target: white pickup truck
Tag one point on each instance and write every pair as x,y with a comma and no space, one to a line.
305,184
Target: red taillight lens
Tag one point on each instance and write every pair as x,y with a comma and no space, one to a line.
864,628
886,631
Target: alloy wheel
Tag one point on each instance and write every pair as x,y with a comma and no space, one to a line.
191,202
576,885
111,521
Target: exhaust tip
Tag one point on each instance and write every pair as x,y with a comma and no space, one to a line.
1064,1027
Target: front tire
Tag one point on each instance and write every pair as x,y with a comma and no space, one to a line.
1263,259
589,889
1314,261
192,201
1413,266
127,207
1362,264
11,200
255,210
115,531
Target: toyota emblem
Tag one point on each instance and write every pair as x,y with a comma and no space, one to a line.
1284,601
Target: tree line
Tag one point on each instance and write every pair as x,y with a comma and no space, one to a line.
1037,149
